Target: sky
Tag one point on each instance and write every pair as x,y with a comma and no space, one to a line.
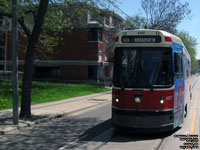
191,25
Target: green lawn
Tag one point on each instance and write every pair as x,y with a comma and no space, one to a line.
46,92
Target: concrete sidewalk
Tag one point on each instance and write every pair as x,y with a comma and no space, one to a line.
48,111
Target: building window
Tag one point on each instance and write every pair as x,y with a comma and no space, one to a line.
94,34
92,72
47,72
2,50
106,57
107,20
107,37
1,20
100,35
55,72
100,53
2,46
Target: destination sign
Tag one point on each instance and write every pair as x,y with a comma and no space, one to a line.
141,39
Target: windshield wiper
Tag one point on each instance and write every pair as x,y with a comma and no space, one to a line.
151,87
123,83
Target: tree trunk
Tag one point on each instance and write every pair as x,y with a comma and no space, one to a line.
29,60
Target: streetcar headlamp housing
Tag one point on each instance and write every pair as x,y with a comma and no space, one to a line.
162,99
138,99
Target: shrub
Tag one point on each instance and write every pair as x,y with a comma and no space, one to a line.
3,103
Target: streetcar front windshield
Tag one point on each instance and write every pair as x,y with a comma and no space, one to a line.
142,67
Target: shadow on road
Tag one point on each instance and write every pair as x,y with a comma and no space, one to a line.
128,136
52,135
68,132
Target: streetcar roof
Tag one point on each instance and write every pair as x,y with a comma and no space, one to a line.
146,32
166,38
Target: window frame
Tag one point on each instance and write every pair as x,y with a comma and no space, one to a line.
95,35
178,63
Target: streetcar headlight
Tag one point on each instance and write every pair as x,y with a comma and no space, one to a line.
117,100
162,99
137,99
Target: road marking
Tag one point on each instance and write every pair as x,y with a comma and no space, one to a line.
196,104
195,113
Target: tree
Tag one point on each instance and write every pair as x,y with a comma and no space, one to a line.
190,44
164,14
34,17
135,22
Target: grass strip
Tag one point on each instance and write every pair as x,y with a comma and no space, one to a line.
46,92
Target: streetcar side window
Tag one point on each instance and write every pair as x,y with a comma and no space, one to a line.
178,63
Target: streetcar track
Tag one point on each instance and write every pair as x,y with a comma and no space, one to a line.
160,144
91,144
107,140
194,83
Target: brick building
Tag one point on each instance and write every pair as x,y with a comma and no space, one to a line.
83,53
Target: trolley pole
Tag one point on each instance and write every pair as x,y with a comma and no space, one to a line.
15,61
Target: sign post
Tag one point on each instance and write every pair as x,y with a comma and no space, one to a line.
15,61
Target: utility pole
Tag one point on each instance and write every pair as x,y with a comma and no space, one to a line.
15,61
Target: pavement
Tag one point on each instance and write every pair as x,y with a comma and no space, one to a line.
52,110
